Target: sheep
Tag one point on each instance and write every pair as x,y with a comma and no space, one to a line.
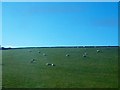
32,61
48,64
44,54
84,55
53,64
67,55
98,51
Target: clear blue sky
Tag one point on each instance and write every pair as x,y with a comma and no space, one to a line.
59,24
0,23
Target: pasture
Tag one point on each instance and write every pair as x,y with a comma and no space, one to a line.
96,70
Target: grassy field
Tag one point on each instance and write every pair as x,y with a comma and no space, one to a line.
97,70
0,69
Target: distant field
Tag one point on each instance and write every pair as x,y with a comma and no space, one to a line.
0,69
97,70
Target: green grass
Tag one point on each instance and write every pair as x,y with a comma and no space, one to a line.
97,70
0,69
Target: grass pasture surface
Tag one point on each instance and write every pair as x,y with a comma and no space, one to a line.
0,69
97,70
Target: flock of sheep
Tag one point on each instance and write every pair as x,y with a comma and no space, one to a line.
51,64
47,64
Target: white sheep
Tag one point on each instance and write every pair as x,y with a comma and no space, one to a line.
98,51
67,55
44,54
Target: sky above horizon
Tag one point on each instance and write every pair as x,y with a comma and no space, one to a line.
59,24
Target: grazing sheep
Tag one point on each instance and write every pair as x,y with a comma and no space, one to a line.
84,56
44,54
98,51
53,64
32,61
85,53
48,64
67,55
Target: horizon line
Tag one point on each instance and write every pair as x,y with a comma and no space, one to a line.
61,46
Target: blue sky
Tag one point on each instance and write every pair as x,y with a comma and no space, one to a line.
0,23
59,24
